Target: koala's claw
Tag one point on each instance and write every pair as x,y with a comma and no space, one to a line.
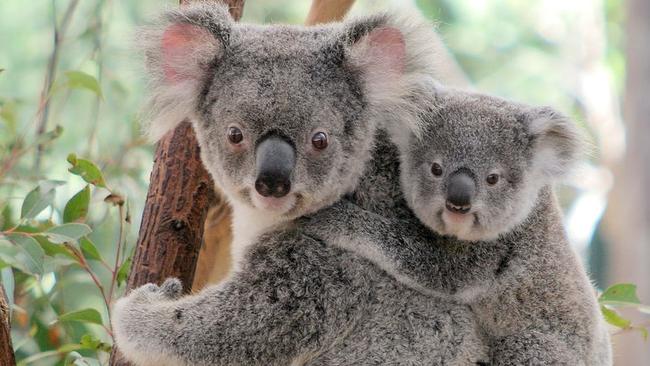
172,288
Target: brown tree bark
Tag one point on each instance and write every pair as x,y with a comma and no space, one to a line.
6,350
324,11
180,194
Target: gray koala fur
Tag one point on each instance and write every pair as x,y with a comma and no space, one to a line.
515,268
293,298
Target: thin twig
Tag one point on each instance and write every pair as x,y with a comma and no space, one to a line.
59,34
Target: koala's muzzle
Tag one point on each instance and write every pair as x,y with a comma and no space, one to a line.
275,159
460,191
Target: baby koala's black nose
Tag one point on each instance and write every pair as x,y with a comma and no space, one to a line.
460,191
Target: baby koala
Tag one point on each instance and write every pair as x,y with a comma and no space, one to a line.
480,178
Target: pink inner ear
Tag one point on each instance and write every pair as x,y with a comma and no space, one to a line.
179,44
387,48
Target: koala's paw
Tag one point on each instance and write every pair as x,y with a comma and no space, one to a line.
172,288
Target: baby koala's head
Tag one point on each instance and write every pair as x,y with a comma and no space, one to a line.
478,166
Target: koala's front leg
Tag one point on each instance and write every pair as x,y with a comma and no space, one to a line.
290,297
532,348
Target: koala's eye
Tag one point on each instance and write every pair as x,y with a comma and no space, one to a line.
436,169
235,136
492,179
319,140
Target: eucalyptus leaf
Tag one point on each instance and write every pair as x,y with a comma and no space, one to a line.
614,318
30,254
622,294
82,80
85,316
67,233
9,284
89,249
77,207
38,199
123,272
89,341
87,170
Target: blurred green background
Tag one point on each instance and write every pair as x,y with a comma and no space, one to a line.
568,54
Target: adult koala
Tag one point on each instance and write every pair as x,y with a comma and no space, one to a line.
286,118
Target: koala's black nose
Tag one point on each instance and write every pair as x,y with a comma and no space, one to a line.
460,190
270,186
275,159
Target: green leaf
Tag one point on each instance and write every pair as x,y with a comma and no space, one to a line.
621,294
38,199
88,341
87,170
76,359
81,80
85,316
5,218
89,249
30,255
9,284
67,233
77,207
123,272
52,249
614,318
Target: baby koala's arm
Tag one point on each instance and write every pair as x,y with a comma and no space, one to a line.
285,302
399,246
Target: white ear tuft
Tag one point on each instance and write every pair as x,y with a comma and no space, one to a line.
380,55
557,142
400,49
179,53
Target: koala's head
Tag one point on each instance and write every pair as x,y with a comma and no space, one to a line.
478,167
285,115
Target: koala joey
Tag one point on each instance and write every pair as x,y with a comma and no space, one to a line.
485,228
285,117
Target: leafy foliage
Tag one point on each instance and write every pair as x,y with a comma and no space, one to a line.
618,296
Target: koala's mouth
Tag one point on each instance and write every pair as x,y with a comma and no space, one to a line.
463,226
276,205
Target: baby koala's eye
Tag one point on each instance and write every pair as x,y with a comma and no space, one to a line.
235,136
319,140
436,169
492,179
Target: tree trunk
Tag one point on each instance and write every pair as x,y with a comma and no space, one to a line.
180,194
6,350
324,11
627,222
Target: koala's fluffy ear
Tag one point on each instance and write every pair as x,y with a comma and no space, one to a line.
179,52
396,57
557,142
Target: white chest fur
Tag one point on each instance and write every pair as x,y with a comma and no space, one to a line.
247,225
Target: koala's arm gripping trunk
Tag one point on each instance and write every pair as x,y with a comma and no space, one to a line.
292,299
